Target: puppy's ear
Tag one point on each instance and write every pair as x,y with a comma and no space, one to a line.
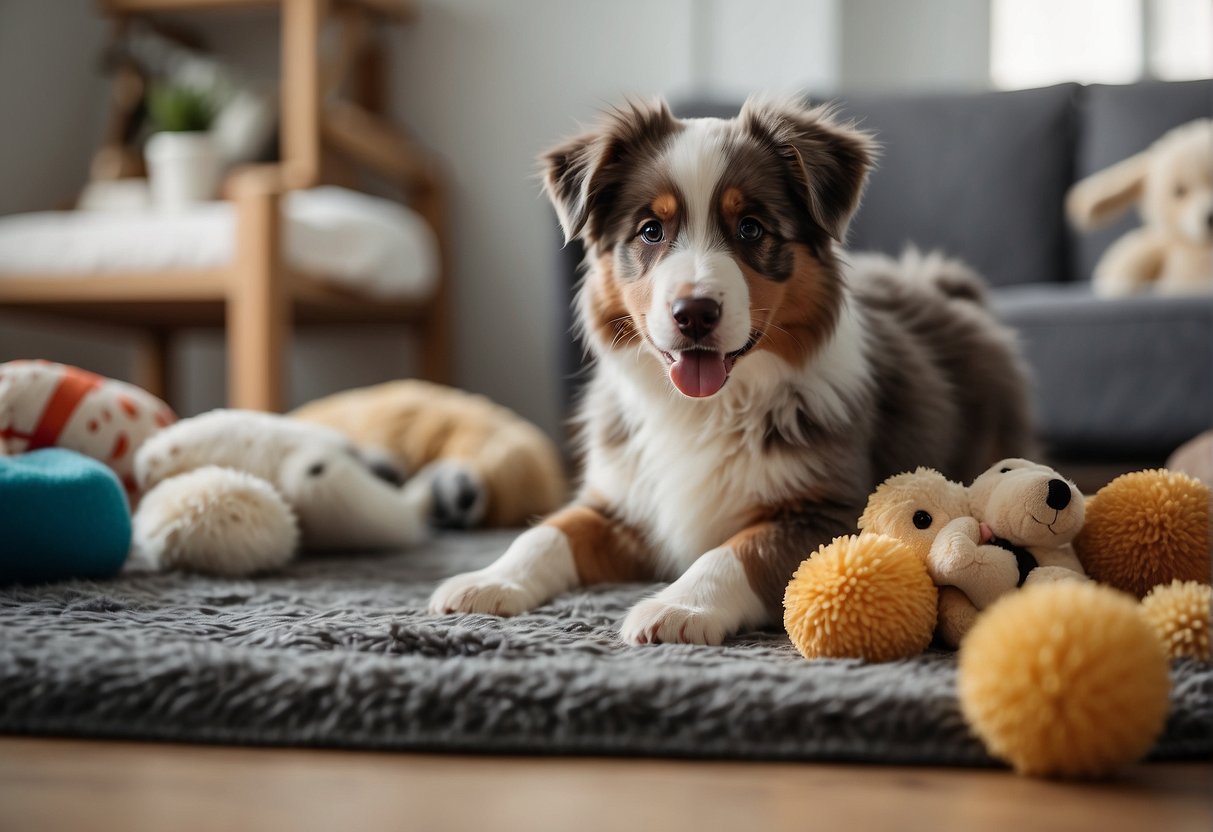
827,159
1103,196
581,175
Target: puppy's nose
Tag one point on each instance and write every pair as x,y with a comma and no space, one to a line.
696,317
1059,495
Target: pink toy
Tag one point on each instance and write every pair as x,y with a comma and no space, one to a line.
44,405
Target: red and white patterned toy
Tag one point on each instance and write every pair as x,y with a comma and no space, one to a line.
43,404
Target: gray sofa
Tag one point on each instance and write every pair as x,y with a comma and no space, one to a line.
984,177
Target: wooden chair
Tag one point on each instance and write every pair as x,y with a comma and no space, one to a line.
257,299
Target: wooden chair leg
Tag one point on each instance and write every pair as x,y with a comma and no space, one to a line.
258,306
152,363
434,345
434,336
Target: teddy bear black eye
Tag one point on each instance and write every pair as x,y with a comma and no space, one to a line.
922,519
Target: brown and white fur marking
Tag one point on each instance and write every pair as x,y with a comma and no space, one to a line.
750,388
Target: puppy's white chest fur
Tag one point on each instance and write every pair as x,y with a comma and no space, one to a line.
691,473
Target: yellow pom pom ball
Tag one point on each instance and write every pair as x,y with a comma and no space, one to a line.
1064,680
866,597
1179,614
1147,528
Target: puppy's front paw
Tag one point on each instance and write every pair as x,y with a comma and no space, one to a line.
654,621
481,592
460,497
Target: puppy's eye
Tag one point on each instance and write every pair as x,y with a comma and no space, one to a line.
1004,470
1180,191
652,232
922,519
748,230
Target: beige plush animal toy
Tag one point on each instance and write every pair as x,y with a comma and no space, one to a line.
419,423
931,516
1172,181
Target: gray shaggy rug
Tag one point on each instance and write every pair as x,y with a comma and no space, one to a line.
339,652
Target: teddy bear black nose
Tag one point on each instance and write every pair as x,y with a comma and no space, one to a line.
1059,495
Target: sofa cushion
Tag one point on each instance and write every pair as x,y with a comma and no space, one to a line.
1131,376
1114,123
981,176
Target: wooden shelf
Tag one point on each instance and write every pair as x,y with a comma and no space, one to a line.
140,287
155,299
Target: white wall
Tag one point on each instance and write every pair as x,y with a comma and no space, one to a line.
899,45
51,107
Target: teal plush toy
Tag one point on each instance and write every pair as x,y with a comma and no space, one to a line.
62,515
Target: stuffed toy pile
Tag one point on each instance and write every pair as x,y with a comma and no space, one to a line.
235,492
1062,672
67,443
1172,182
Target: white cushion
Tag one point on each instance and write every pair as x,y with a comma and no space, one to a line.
361,242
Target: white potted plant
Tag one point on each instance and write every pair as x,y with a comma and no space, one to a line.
183,163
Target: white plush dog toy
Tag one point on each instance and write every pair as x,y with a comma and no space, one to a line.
1024,518
234,492
1172,181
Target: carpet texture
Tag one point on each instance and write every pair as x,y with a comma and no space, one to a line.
339,652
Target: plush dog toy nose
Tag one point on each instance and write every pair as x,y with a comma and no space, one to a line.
696,317
1059,495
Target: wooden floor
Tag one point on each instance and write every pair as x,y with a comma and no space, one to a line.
129,787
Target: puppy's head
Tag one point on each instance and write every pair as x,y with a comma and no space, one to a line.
708,238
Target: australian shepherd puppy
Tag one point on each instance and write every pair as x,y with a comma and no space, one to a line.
751,387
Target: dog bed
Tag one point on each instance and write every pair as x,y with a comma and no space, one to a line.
353,240
340,652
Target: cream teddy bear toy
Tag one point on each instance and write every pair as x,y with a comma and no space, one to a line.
235,492
1172,181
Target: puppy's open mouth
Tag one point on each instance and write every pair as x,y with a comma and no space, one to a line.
699,372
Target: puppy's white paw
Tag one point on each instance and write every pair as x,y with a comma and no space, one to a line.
460,496
655,621
482,592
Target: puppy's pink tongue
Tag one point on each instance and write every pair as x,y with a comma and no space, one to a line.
698,373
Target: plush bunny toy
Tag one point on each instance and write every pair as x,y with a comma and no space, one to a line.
1172,181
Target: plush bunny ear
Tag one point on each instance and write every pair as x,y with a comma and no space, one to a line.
1103,196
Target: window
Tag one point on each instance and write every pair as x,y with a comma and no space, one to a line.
1039,42
1181,39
